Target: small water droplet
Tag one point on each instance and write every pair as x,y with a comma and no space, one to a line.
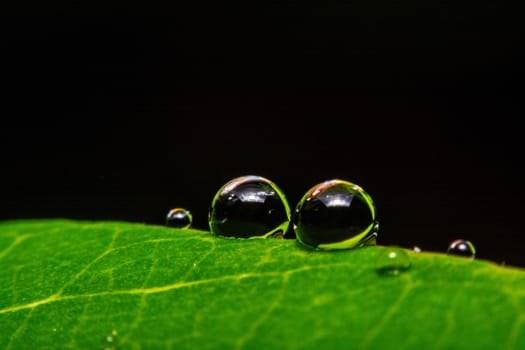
54,329
462,247
335,214
249,206
392,261
416,249
277,235
179,218
110,341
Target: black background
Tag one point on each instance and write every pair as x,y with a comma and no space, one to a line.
123,112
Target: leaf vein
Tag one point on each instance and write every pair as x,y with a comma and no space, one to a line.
264,316
514,332
20,330
14,244
142,303
160,289
108,250
388,315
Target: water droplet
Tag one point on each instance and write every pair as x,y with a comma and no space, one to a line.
392,261
110,341
416,249
335,214
249,206
462,247
179,218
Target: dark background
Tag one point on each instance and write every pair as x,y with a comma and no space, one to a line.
123,112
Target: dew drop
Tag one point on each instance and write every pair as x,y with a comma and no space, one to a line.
179,218
109,342
462,247
392,261
249,206
335,214
416,249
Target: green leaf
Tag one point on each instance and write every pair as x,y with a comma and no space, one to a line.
68,284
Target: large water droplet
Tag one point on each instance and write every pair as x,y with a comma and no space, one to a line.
462,247
392,261
249,206
179,218
335,214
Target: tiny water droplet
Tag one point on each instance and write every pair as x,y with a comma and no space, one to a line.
392,261
249,206
54,329
462,247
416,249
179,218
110,341
277,235
335,214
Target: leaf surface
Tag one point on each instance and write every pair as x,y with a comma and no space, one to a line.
68,284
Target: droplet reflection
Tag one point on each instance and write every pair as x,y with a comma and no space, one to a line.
335,214
462,247
249,206
179,218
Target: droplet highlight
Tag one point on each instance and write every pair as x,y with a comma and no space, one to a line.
179,218
249,206
462,247
417,249
109,342
393,261
335,214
